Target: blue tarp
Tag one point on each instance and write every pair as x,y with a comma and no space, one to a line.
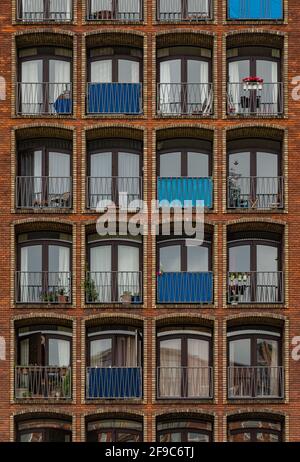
185,288
114,98
114,382
255,9
185,189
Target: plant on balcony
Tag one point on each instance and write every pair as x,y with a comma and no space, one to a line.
62,296
90,289
253,83
66,383
49,297
237,285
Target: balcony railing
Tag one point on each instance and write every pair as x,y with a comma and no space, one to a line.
255,287
43,192
184,99
255,192
110,10
255,9
185,287
189,10
184,189
256,382
39,11
51,382
43,287
123,191
44,98
245,99
114,98
114,382
185,382
114,287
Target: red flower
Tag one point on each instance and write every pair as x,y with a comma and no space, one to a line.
253,80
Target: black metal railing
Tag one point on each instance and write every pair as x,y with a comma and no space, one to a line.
255,192
43,287
114,98
193,11
185,287
51,382
114,10
43,192
255,287
251,99
185,382
256,382
114,382
44,98
114,287
184,99
122,191
40,11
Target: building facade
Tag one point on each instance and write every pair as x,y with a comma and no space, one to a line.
129,101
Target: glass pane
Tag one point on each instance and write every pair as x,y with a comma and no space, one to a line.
198,373
101,353
100,258
170,86
197,437
124,437
32,437
197,90
100,184
59,182
170,9
238,70
100,276
197,71
59,352
59,164
243,437
197,259
30,282
170,258
267,184
61,9
170,371
59,80
128,178
239,181
101,71
240,353
267,437
59,259
267,352
170,352
32,97
128,71
198,352
31,258
197,164
172,437
239,164
267,258
268,70
170,165
128,258
126,351
239,258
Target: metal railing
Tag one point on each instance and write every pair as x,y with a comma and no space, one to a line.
123,191
114,10
43,287
193,11
114,98
185,382
185,287
38,11
114,382
256,382
255,192
184,99
255,287
43,192
114,287
247,99
183,189
255,9
52,382
45,98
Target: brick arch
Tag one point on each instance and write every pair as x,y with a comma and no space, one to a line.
114,37
258,317
114,131
115,318
187,410
43,410
49,130
184,37
184,318
43,316
271,131
185,131
252,37
42,223
45,36
247,411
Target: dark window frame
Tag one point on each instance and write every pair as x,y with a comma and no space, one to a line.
184,158
115,59
183,251
253,431
184,431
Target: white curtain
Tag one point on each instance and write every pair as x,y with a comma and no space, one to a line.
198,373
170,9
59,79
128,180
101,5
33,9
128,71
37,169
101,178
234,91
100,267
196,7
126,351
128,270
101,352
197,259
128,9
59,173
24,279
64,268
24,352
170,86
61,9
101,71
31,87
170,376
59,352
198,93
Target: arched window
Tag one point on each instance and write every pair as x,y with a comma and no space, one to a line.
184,430
115,430
255,430
44,430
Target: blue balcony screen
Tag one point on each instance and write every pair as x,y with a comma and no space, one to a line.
114,98
255,9
115,382
185,189
185,288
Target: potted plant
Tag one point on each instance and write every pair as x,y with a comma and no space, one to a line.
237,285
62,296
91,292
253,83
126,297
136,298
49,297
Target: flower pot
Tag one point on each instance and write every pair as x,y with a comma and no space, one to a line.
126,298
62,299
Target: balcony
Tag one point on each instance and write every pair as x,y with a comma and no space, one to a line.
255,100
255,9
43,382
114,98
184,99
43,192
44,10
44,98
263,193
185,382
255,287
123,191
183,189
114,287
121,10
185,287
255,382
114,382
188,11
43,287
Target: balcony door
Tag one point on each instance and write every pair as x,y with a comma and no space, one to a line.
39,10
115,270
180,431
258,263
178,257
254,179
123,10
114,176
183,365
184,85
115,431
254,364
44,80
116,69
177,10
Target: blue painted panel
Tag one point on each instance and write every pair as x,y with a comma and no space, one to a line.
255,9
185,189
114,98
105,382
185,288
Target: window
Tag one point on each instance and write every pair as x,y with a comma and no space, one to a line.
184,363
255,360
121,10
184,430
44,431
115,430
44,10
184,10
256,430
